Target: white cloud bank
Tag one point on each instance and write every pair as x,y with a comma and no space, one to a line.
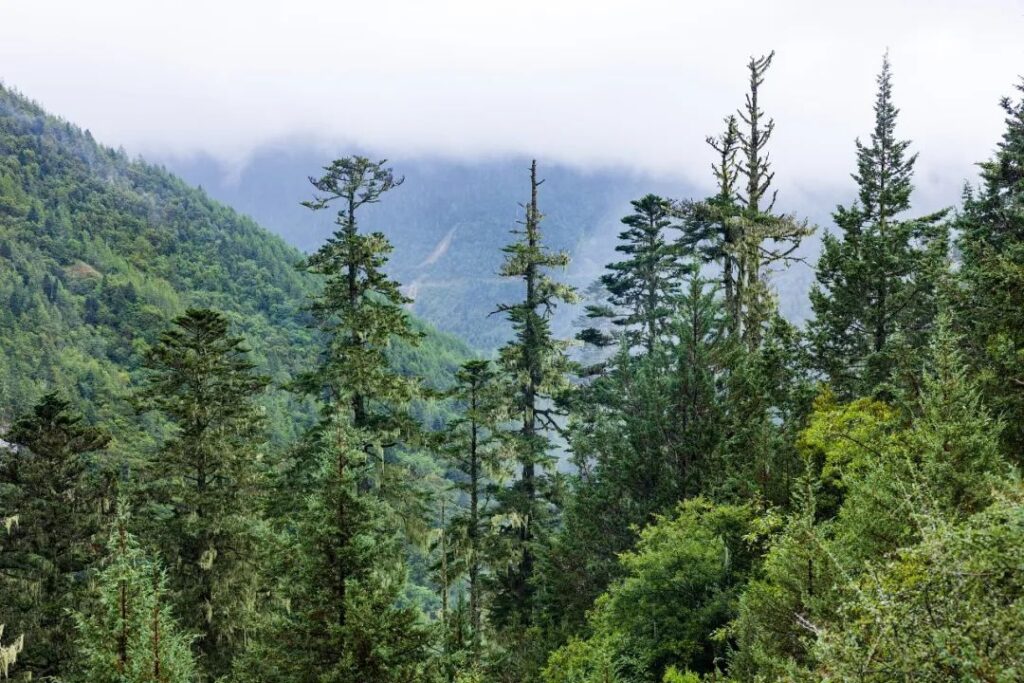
587,82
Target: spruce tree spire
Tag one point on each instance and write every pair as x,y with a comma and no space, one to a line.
879,278
884,171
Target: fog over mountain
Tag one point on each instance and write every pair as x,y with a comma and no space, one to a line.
625,84
450,218
615,99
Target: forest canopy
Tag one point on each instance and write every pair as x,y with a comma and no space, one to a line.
223,460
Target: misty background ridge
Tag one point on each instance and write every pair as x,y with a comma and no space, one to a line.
451,217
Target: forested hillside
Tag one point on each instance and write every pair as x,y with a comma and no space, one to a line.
751,499
99,252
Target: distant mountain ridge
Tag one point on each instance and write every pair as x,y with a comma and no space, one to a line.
449,221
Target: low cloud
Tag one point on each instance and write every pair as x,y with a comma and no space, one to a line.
638,84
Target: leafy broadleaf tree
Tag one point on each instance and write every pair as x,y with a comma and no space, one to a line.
679,586
126,633
53,480
950,608
207,478
879,278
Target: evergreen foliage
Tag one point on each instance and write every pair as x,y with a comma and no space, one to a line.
206,479
127,634
472,444
879,279
345,570
643,287
536,364
53,478
991,238
710,494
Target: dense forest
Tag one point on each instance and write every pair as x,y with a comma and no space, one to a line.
223,460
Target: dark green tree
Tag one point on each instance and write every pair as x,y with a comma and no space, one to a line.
207,478
878,278
641,435
360,308
537,365
343,572
473,448
991,293
52,479
642,288
126,632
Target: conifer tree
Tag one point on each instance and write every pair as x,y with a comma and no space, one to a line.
206,477
536,362
53,480
9,652
472,446
360,308
991,296
767,239
641,435
344,553
642,288
738,227
711,228
127,634
878,278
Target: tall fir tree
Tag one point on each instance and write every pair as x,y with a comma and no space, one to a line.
738,228
206,478
711,228
126,632
473,448
344,558
537,365
360,309
642,288
878,279
53,479
990,297
767,239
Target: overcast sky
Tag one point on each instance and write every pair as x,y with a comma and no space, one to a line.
588,82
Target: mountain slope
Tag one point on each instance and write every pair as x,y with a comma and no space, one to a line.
98,252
